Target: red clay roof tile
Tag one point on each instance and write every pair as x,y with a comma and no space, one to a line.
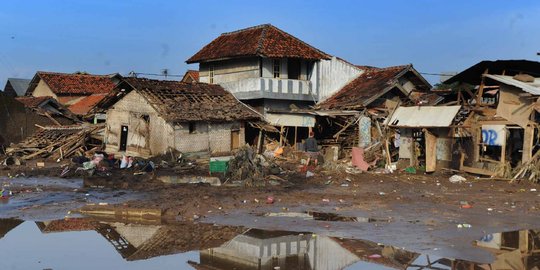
78,84
367,85
262,40
83,106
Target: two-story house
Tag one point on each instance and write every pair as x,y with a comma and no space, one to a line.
274,72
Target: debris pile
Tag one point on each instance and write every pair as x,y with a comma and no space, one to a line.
529,170
251,168
57,142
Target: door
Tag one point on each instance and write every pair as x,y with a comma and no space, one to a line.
431,151
235,139
123,138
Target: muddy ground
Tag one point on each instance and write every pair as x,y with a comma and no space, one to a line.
419,212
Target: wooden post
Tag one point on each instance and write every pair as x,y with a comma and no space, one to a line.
281,136
431,151
524,241
528,140
481,91
477,133
260,141
295,136
503,149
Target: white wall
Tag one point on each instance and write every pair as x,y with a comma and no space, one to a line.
333,75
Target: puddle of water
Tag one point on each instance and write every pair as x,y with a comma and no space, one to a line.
31,200
84,243
326,216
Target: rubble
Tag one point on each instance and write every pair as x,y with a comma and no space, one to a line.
250,168
56,143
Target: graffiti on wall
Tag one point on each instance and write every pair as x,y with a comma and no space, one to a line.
494,135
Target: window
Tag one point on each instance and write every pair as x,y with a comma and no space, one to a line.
211,74
192,127
277,68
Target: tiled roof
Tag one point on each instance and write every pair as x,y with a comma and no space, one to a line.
183,102
32,102
365,88
83,106
74,84
263,40
194,74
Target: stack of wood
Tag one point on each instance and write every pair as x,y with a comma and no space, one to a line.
56,142
529,170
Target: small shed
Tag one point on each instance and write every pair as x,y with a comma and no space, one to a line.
425,134
150,117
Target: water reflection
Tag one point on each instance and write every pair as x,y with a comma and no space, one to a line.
92,243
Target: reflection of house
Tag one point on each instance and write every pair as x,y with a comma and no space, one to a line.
149,117
274,72
258,249
7,225
66,225
140,242
16,87
79,92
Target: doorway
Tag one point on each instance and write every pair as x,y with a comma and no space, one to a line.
123,138
293,68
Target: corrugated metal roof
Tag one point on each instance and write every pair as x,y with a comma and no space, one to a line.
532,87
424,116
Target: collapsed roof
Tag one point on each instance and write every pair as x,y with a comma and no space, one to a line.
263,40
473,75
372,84
184,102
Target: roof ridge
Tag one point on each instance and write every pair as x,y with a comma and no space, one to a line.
246,29
72,74
261,39
301,41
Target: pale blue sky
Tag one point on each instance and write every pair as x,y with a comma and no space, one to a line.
104,36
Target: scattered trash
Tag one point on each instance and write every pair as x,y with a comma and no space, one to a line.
457,179
270,200
411,170
375,256
344,185
465,205
329,182
533,189
464,225
309,174
382,193
325,200
490,209
4,194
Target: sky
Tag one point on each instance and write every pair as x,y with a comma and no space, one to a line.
147,36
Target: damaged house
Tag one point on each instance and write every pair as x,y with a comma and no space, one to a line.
499,137
79,92
274,72
150,117
20,117
355,115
